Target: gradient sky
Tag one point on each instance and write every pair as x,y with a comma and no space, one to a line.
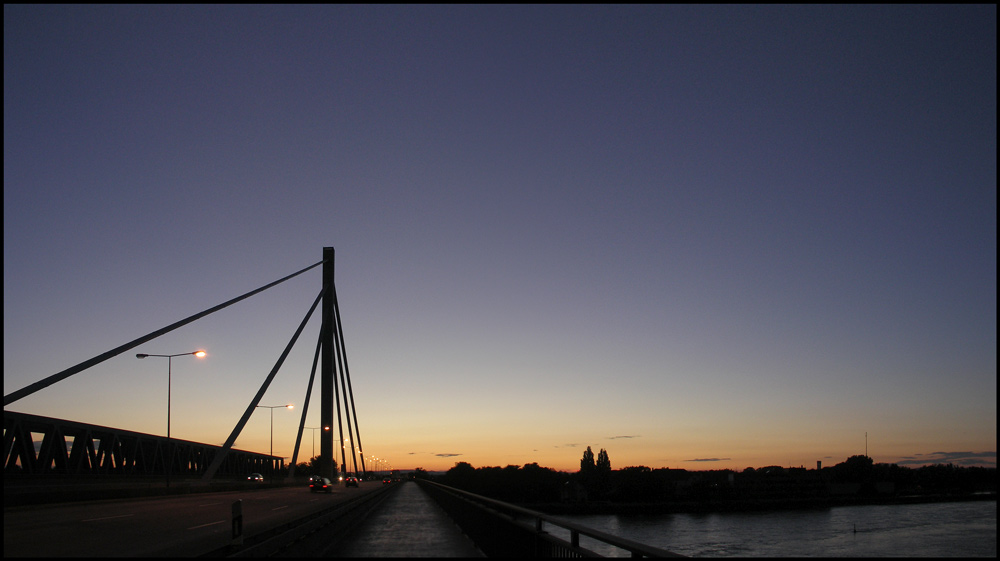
697,237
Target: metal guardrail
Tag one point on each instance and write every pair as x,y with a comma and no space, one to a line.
501,529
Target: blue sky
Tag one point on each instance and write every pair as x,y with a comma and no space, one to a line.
740,234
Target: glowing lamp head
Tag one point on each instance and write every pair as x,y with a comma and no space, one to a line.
199,354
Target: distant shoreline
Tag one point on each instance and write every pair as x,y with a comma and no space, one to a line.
678,507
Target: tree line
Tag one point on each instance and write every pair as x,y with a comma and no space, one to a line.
597,482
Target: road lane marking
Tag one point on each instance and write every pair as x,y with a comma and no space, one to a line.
280,507
209,524
107,517
209,504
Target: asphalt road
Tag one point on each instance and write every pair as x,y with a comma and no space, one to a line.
173,526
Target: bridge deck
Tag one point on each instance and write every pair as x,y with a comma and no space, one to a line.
408,524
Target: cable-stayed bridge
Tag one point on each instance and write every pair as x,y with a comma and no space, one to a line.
36,446
45,455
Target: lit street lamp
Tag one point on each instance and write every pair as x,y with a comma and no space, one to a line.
314,429
199,354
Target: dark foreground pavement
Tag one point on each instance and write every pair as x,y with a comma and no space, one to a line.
408,524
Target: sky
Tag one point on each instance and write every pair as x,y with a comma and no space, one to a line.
697,237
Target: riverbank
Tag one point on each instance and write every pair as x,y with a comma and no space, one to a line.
606,507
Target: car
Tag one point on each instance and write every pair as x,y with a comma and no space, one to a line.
386,480
255,478
318,484
351,482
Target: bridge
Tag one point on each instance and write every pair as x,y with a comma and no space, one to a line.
401,519
211,509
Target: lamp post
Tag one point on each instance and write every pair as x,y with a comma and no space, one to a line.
272,408
314,429
343,465
199,354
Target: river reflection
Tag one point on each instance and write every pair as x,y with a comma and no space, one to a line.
961,529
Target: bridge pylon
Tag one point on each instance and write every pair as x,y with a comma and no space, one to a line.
327,381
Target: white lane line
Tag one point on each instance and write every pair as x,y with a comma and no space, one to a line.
209,524
107,518
280,507
209,504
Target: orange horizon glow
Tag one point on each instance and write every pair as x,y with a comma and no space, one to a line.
691,465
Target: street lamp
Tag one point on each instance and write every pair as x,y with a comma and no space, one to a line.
199,354
314,429
272,408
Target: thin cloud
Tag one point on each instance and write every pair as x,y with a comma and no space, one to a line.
447,455
708,460
956,458
623,436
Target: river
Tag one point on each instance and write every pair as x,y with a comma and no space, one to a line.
959,529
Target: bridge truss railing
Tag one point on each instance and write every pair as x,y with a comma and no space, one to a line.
79,449
502,529
119,452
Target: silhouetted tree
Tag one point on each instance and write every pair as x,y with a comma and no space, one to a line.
856,469
587,464
588,472
530,484
595,475
462,476
603,462
859,463
539,484
635,484
602,473
312,468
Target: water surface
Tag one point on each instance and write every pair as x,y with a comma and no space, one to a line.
960,529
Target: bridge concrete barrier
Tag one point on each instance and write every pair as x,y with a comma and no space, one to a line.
336,522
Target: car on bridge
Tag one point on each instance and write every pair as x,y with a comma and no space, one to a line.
351,482
320,484
255,478
386,480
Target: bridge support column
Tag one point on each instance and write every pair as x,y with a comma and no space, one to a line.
327,380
